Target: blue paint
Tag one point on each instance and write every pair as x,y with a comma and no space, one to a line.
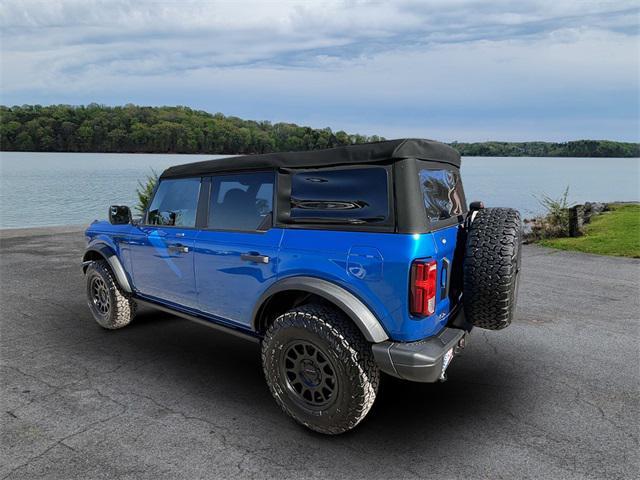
212,280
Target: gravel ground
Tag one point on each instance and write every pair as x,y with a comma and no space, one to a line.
556,395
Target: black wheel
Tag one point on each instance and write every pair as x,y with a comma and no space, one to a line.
111,307
320,369
492,268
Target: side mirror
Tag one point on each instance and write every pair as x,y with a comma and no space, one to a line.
119,215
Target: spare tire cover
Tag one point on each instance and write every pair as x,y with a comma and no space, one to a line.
492,267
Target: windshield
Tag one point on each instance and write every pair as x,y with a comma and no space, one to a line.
442,193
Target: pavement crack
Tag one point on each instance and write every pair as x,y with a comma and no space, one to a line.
184,415
62,441
16,369
579,398
493,347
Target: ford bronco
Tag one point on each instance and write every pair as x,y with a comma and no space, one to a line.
342,263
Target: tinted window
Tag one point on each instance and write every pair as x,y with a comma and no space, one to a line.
442,193
175,203
348,196
241,201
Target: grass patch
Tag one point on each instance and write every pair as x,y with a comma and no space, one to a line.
616,232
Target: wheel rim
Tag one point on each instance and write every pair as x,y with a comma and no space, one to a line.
100,295
310,376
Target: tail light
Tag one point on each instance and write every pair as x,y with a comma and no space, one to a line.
422,301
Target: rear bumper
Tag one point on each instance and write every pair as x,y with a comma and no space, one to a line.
420,361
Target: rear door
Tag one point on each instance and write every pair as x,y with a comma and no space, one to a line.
162,247
445,209
236,255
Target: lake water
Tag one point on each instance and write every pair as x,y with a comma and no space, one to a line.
42,189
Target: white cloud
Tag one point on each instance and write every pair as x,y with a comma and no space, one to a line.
327,61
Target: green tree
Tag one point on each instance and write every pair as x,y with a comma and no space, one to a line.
132,128
145,191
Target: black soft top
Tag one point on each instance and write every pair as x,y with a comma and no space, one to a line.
352,154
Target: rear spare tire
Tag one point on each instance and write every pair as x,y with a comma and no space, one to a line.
491,267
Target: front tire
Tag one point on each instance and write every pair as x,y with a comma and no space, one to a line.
320,369
110,306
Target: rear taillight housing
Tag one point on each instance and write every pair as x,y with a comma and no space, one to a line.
422,287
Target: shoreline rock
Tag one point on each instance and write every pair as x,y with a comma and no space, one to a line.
569,222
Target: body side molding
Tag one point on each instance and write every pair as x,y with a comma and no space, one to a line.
357,311
114,262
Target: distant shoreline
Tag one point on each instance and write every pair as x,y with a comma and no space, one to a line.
180,130
18,232
239,154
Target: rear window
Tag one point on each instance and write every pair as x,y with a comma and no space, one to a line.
345,196
442,193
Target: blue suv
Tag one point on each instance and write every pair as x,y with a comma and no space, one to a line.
342,263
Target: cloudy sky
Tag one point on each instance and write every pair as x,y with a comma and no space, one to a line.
451,70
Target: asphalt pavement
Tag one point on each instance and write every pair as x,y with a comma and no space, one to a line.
556,395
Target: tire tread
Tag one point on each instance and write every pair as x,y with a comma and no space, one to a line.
124,307
492,262
347,343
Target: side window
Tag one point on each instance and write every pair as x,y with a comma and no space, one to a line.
175,203
442,193
242,201
345,196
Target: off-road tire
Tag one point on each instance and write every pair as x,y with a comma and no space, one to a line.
350,358
121,307
492,267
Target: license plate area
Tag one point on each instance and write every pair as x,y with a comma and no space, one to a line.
446,360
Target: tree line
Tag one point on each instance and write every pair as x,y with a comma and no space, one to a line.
577,148
136,129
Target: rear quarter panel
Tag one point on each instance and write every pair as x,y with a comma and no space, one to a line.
372,266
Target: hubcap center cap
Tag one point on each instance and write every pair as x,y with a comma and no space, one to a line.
310,373
100,295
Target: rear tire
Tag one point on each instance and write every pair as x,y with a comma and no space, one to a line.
110,306
320,369
491,268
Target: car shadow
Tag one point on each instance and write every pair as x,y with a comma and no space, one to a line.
410,411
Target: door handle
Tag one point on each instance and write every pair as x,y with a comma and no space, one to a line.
254,257
178,247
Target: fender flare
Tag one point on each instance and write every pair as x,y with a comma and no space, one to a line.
112,259
353,307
